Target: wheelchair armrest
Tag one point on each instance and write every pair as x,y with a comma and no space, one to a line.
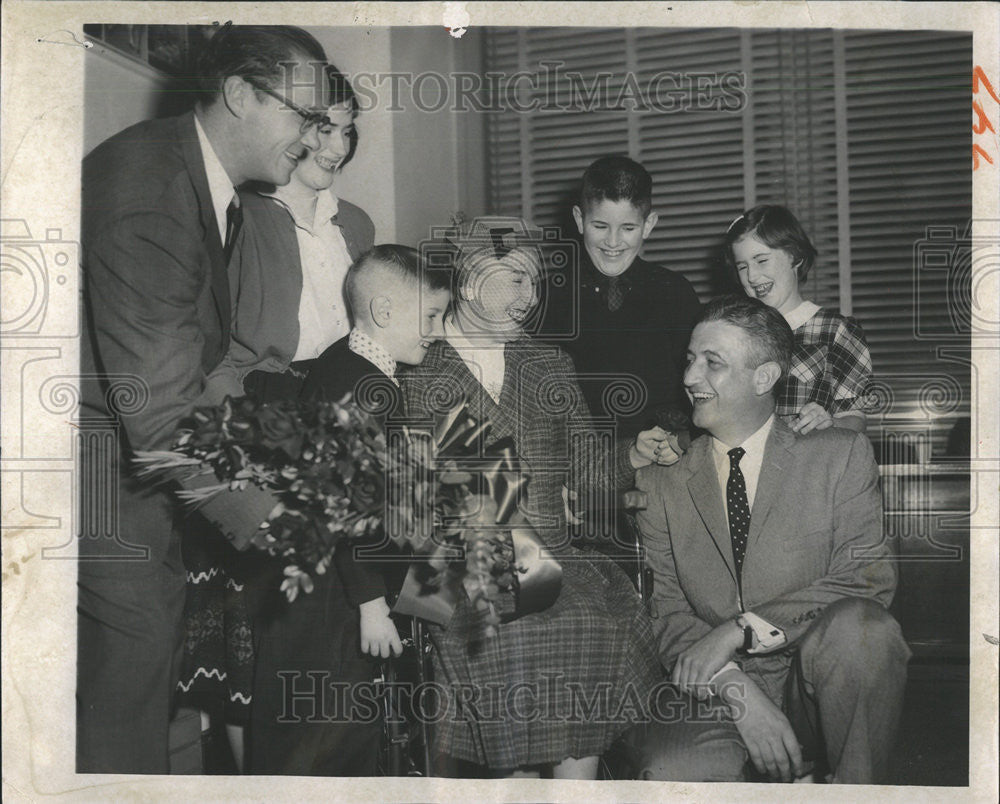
634,500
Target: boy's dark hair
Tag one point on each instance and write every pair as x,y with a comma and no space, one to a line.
776,227
770,337
617,178
402,261
341,93
254,53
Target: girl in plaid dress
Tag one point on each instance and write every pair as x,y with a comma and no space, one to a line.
831,367
553,689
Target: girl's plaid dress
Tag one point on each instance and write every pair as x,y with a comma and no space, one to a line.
565,682
831,366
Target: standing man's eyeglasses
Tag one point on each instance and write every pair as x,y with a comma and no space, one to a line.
309,119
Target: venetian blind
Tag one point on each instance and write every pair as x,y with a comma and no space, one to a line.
909,140
864,135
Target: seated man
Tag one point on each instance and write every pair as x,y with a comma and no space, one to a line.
771,579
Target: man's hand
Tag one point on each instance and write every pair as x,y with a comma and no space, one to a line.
769,737
811,417
378,632
655,445
696,665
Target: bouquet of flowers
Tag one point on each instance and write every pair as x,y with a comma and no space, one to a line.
336,475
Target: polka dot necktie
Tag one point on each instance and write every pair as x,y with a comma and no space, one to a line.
737,507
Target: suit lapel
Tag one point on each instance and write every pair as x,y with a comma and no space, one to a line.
352,247
479,403
191,148
703,486
517,411
771,480
346,233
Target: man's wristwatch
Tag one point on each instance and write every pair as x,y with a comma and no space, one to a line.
740,623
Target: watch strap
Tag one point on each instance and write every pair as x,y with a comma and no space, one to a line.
740,623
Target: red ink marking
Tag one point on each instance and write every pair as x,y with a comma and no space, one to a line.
977,76
982,121
976,153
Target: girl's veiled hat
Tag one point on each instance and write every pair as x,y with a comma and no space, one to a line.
497,234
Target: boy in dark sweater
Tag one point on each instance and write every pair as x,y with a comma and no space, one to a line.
314,654
635,317
632,318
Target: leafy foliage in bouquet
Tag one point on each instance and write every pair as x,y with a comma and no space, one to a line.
324,461
328,464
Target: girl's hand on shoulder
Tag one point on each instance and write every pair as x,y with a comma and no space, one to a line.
655,445
811,417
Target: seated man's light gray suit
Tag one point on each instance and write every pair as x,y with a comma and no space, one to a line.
816,566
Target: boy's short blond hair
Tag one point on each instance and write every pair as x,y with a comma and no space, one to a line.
366,277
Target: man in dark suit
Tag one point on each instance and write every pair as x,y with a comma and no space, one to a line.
158,225
771,578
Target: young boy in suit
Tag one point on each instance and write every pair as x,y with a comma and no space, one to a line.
397,306
329,635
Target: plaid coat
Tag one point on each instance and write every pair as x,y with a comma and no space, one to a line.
553,684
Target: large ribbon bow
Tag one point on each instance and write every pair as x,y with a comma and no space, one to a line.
498,484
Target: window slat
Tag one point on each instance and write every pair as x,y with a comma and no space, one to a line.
908,101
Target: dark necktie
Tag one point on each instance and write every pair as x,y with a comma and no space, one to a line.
737,507
234,222
616,294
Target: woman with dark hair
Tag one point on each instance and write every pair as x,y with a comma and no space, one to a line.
286,278
287,274
594,644
831,366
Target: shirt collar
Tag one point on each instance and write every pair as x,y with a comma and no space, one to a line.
462,342
459,339
486,360
592,275
797,317
327,207
753,444
220,186
376,354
